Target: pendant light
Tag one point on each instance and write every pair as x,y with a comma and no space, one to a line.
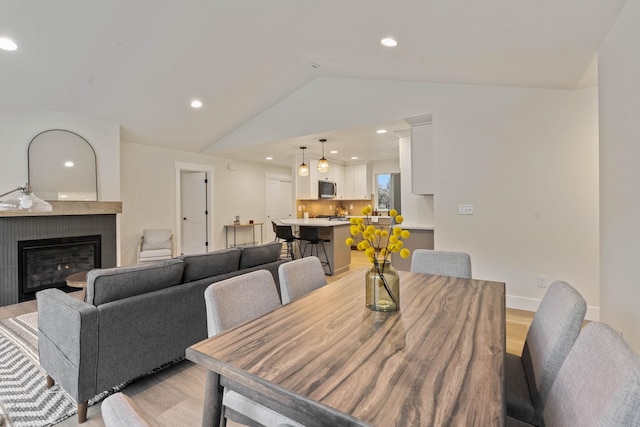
323,164
303,169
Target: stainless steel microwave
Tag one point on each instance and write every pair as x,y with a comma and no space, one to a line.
327,189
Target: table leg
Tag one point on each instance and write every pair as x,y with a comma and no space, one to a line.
212,401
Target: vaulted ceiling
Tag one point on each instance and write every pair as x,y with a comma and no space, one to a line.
140,63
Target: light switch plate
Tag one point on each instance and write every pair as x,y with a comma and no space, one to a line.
465,209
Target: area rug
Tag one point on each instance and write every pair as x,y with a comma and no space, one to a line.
23,391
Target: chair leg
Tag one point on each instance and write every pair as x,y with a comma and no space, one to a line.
290,254
299,251
82,411
327,258
50,382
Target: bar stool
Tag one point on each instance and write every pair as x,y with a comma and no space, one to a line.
285,234
310,236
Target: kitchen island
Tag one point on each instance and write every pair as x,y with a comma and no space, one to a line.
334,230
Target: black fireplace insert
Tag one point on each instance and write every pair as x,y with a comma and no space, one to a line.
45,263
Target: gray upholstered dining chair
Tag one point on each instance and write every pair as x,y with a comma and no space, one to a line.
230,303
597,385
118,410
299,277
443,263
555,327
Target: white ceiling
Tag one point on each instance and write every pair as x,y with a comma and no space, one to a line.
139,63
362,142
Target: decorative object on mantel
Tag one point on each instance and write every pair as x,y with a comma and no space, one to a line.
237,220
323,164
62,166
25,201
382,282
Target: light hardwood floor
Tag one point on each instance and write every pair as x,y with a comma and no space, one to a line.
174,396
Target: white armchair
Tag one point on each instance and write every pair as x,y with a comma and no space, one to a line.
155,245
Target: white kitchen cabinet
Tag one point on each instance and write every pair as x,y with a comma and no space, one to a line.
307,186
361,182
357,182
314,176
338,178
302,186
348,183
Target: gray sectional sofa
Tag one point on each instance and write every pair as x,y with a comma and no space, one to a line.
134,319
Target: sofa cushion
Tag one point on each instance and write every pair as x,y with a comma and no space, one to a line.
260,254
210,264
111,284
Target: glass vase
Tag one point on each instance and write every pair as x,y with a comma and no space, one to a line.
382,287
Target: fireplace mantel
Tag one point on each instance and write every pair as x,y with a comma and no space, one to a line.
67,219
73,208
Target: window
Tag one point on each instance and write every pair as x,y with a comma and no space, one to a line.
383,191
387,191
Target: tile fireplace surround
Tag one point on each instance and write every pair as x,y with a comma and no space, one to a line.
68,219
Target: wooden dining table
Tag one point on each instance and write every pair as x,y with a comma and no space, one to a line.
327,360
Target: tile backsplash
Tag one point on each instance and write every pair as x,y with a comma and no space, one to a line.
328,207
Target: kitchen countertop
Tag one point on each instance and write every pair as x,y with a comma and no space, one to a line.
414,226
317,222
326,222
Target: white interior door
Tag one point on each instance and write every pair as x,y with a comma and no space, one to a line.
194,213
279,202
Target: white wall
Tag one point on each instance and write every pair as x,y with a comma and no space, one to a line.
18,126
528,162
148,192
619,68
526,158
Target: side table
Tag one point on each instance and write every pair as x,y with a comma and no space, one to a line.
78,280
235,227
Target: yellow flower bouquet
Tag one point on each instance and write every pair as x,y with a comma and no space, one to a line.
378,244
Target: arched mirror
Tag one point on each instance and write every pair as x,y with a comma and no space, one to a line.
62,166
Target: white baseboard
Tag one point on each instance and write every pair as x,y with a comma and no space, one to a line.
531,304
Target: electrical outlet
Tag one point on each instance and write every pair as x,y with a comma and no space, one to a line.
542,281
619,330
465,209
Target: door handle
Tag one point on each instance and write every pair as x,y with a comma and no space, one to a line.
184,219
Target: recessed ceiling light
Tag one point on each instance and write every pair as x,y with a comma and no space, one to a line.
334,151
389,42
269,158
7,44
196,103
354,158
381,131
68,164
